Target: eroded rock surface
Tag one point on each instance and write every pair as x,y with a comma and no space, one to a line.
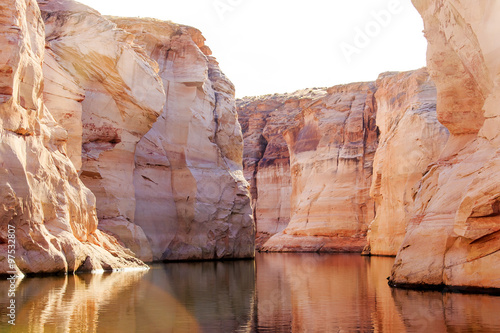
192,200
453,236
411,137
43,202
123,98
266,159
331,140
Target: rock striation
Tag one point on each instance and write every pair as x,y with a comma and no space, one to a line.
266,159
411,137
453,235
192,200
46,211
123,98
115,145
332,137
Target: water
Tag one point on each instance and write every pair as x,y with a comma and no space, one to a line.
274,293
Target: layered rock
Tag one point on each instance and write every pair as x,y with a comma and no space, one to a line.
453,236
192,200
123,98
45,206
411,137
266,159
331,141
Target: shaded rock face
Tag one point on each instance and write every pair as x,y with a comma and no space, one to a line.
411,137
331,142
44,203
453,236
192,200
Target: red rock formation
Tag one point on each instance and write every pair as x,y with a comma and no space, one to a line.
266,159
410,138
47,213
333,136
453,236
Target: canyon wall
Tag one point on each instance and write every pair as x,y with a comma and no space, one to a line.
331,156
453,235
411,137
123,96
331,137
266,159
169,188
48,219
111,149
192,200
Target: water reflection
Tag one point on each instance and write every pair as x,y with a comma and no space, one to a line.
325,293
276,293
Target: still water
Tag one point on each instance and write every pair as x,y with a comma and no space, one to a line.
274,293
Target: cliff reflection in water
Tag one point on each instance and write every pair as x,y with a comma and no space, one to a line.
276,293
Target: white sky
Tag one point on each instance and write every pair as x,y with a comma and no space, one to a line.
276,46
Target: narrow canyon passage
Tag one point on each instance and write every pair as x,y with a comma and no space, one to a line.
139,194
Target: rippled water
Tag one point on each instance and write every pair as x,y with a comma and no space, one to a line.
274,293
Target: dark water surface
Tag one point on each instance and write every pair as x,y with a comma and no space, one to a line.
274,293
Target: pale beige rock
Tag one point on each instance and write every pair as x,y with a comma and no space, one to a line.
123,97
40,193
63,97
410,138
192,199
453,236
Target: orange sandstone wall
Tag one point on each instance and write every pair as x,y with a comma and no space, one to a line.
453,237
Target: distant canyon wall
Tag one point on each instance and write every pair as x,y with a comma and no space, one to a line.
453,235
310,157
116,145
322,142
266,159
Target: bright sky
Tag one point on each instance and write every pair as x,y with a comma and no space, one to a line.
277,46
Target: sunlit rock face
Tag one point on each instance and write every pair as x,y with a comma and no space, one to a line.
331,141
411,137
123,98
44,204
192,200
266,159
453,236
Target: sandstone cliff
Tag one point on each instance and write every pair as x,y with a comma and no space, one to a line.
192,199
453,236
266,159
184,170
331,140
123,97
44,204
410,138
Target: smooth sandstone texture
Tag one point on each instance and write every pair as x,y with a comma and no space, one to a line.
411,137
453,236
43,202
123,98
192,200
331,141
